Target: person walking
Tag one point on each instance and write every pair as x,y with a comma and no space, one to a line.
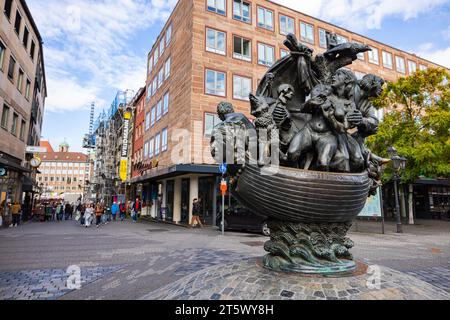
123,210
114,210
88,215
15,211
136,210
58,212
98,214
196,214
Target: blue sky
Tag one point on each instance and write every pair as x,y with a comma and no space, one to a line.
95,47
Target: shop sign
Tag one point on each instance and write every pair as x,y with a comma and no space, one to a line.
372,207
124,159
142,167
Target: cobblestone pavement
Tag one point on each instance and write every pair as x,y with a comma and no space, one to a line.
49,284
129,261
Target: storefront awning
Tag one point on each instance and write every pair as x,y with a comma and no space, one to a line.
13,166
164,173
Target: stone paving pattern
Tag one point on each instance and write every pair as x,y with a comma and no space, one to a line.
153,256
247,280
44,284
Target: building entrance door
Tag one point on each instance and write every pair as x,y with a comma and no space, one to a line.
170,190
206,188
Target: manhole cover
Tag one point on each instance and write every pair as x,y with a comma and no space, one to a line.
158,230
254,243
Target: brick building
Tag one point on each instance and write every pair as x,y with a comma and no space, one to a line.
22,98
217,50
62,173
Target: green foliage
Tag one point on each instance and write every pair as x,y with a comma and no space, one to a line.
417,123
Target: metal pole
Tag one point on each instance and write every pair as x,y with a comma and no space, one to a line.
223,213
380,190
397,205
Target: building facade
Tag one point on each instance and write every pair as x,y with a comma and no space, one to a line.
62,173
22,99
218,50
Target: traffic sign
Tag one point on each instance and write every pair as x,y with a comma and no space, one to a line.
223,168
33,149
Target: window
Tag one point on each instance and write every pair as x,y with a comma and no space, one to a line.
18,22
422,67
151,148
217,6
166,103
215,83
12,67
5,116
26,34
20,80
150,64
160,77
341,39
265,18
323,43
32,49
215,41
7,8
242,48
153,116
306,32
147,121
14,124
211,120
242,11
156,56
161,46
241,87
168,35
164,140
2,55
412,66
146,153
159,110
361,55
149,92
283,53
400,63
167,69
266,54
157,144
387,59
154,85
27,89
22,130
373,55
287,25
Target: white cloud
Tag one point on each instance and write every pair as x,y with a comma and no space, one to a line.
440,56
87,46
446,33
360,15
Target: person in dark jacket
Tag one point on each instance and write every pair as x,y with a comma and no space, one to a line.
196,214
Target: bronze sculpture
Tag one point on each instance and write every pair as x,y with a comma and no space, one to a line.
303,162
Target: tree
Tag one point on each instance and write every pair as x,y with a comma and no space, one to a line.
417,123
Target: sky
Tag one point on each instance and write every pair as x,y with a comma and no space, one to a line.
93,48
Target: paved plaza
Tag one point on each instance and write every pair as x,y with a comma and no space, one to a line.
125,261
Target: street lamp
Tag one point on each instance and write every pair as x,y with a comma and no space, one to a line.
398,164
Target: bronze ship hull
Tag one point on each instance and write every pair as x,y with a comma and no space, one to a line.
303,196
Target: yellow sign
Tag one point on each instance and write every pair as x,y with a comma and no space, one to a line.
123,169
127,115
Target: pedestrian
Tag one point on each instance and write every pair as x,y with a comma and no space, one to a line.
88,215
59,212
16,209
98,213
123,210
136,210
114,210
196,214
68,211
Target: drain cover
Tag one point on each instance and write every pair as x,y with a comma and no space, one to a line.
254,243
157,230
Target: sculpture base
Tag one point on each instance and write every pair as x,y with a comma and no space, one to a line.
309,248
